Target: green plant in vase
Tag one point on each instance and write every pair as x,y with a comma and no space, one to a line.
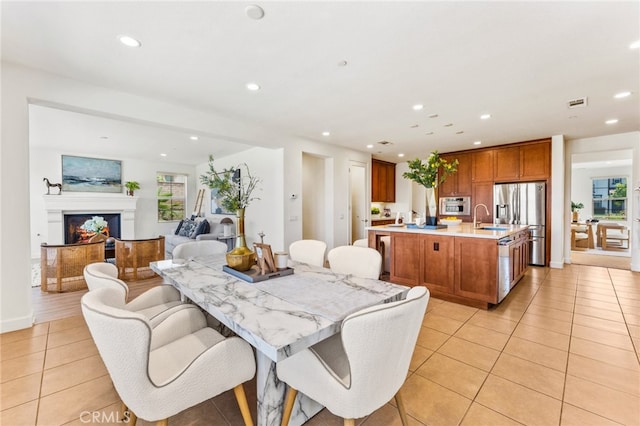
575,207
235,187
430,174
131,186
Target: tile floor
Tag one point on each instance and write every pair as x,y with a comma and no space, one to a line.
562,349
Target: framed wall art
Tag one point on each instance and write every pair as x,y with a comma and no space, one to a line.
83,174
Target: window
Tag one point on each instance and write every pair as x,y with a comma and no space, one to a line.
610,198
172,196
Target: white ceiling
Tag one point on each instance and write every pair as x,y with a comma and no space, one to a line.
519,61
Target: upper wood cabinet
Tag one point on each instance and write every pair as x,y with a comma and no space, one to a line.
458,183
523,162
482,166
383,182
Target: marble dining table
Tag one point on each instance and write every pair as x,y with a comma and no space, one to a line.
278,317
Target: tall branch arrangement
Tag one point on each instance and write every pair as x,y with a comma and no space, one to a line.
432,172
235,193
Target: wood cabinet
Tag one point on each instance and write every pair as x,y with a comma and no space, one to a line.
476,269
383,181
482,194
378,222
519,257
436,269
482,166
459,183
524,162
405,258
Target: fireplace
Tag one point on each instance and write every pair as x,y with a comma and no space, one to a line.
73,232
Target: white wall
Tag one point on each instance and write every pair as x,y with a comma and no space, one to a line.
313,197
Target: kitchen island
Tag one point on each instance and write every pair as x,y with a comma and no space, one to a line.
463,264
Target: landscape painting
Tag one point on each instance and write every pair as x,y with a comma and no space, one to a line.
82,174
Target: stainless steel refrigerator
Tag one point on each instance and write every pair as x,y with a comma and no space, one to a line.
524,204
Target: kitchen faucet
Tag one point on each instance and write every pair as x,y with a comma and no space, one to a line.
477,224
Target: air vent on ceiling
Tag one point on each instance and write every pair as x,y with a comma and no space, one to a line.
577,103
385,143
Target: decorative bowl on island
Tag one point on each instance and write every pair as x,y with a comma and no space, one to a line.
450,221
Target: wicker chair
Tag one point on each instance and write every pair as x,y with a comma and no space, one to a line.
133,257
61,266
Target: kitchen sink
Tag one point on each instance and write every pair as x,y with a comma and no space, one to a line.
493,228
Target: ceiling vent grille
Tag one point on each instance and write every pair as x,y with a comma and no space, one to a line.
577,103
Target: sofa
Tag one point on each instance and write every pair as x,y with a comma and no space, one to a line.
188,230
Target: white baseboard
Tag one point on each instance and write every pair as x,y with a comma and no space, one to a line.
14,324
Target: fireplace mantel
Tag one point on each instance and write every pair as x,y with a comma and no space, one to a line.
59,205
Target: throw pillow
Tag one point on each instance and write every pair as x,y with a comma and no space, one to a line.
202,227
187,228
178,228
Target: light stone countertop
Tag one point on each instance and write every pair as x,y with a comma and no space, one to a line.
465,229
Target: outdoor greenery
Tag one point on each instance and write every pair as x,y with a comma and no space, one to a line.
430,173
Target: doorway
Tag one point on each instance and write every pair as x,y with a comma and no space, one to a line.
358,200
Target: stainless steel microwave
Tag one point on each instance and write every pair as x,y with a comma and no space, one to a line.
455,206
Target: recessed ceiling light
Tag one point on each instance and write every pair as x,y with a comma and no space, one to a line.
635,45
369,146
163,155
401,155
612,121
622,95
477,142
254,11
193,138
418,107
326,133
129,41
485,116
253,86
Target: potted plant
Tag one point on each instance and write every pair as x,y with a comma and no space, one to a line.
574,210
235,187
131,186
430,174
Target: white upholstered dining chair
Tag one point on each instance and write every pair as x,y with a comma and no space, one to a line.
353,373
308,251
160,371
198,248
155,303
362,262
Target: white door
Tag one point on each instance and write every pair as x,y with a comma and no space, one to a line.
358,204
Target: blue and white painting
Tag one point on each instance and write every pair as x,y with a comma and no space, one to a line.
82,174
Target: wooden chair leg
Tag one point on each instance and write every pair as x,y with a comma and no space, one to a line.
288,406
163,422
132,418
349,422
403,414
241,397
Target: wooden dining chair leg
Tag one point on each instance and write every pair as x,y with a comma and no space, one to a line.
349,422
241,397
163,422
288,406
132,418
403,413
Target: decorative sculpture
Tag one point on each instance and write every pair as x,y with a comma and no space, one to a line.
55,185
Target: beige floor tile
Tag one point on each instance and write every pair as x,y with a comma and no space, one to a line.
574,416
20,391
455,311
608,375
537,353
442,324
603,337
550,313
67,336
68,353
111,415
550,303
606,402
628,303
420,355
543,336
633,294
453,375
387,415
540,321
518,402
67,323
227,404
609,298
21,415
531,375
431,339
23,347
602,324
632,318
26,333
480,415
599,313
493,322
470,353
442,408
70,404
23,366
634,330
604,353
72,374
483,336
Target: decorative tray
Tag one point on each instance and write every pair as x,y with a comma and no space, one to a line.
414,226
253,276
